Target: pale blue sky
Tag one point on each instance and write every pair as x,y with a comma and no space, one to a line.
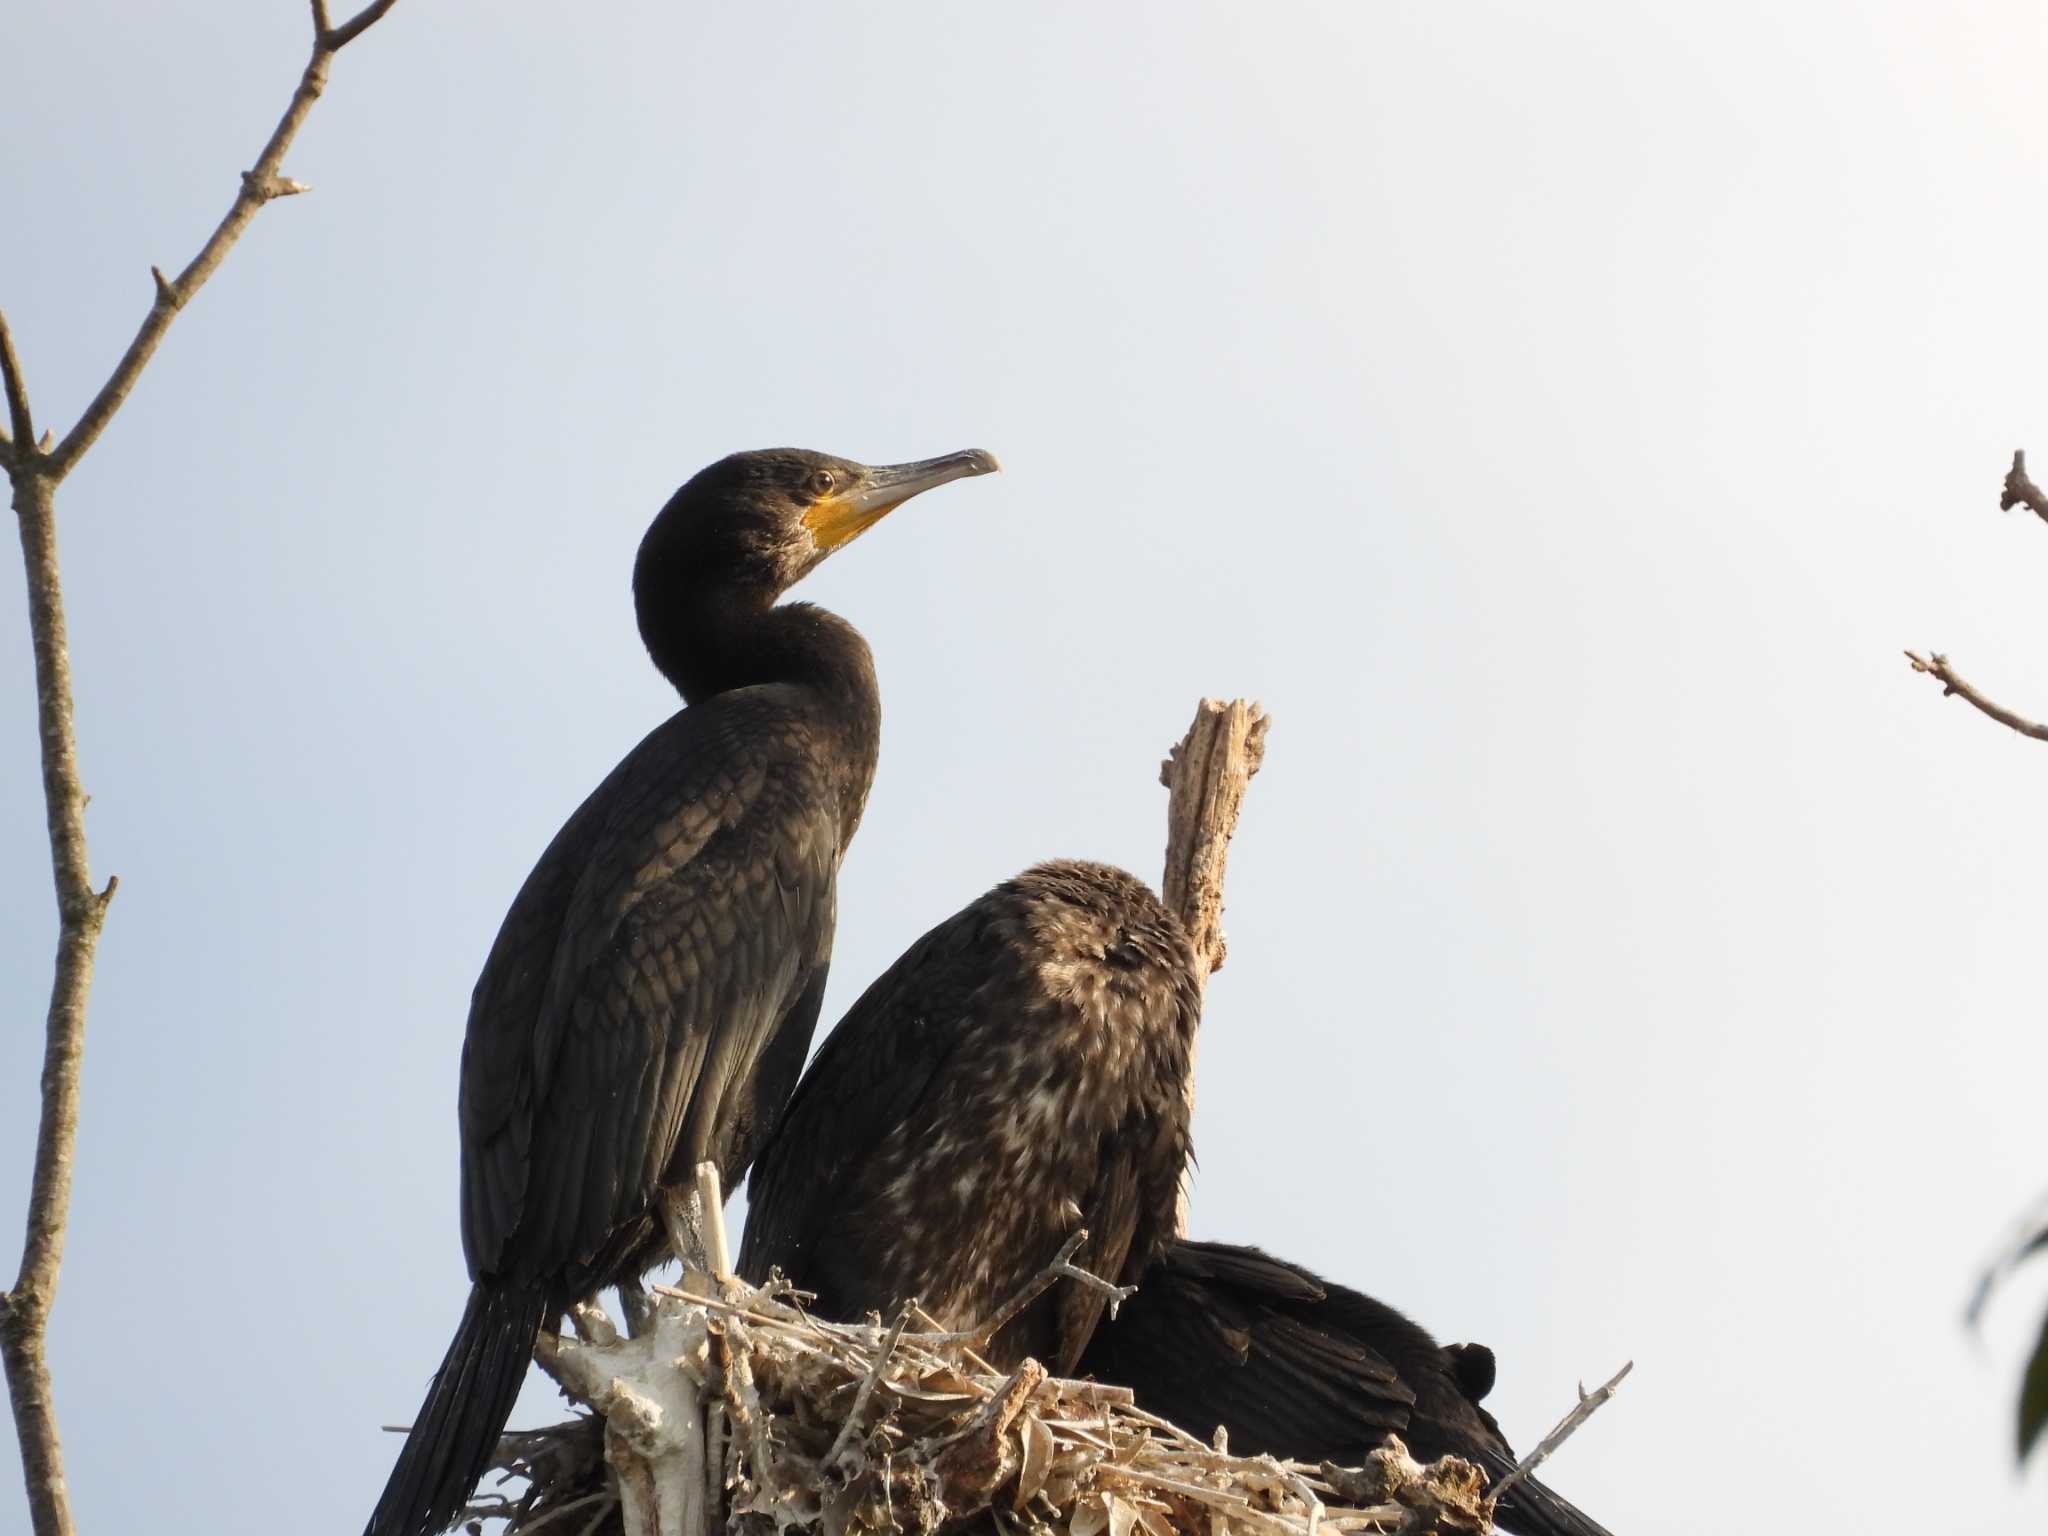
1559,416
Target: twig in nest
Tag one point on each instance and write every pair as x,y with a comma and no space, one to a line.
1062,1267
743,1406
937,1329
1298,1485
867,1386
978,1458
1936,666
1588,1404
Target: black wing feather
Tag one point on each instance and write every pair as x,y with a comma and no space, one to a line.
627,994
1213,1337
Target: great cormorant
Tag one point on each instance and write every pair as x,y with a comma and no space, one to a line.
1293,1365
652,992
1019,1073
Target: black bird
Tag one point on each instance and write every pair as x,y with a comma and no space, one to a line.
1294,1365
652,992
1020,1072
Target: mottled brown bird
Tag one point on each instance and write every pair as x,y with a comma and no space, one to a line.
652,992
1293,1365
1019,1073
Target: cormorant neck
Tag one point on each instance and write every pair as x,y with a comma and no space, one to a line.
729,639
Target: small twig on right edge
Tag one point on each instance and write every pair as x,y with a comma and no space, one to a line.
2021,491
1589,1403
1935,665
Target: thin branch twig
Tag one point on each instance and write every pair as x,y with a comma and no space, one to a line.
260,184
1936,665
337,38
21,425
1588,1404
866,1389
1062,1267
2020,491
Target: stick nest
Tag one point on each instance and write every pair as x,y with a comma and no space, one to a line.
741,1412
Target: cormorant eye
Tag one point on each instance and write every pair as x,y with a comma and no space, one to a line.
821,482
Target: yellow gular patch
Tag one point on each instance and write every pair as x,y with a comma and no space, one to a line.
833,521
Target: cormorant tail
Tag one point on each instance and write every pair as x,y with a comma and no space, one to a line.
1530,1509
458,1426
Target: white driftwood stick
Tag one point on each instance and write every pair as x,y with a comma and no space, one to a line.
711,1201
1206,776
650,1391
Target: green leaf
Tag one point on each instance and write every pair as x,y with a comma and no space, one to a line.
2023,1248
2034,1394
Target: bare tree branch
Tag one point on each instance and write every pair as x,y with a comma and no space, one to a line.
334,39
1935,665
22,427
2021,491
25,1308
260,184
35,468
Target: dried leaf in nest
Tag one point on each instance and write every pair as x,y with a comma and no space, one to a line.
1035,1453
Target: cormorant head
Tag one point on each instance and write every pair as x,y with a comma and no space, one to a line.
756,523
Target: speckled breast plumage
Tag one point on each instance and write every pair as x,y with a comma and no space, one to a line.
1048,1028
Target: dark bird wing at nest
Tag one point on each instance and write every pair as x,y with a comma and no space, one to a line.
1293,1365
1020,1072
652,992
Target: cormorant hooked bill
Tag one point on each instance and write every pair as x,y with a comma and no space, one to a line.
1295,1366
652,992
1020,1072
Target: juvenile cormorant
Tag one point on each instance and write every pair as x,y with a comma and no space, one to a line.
1293,1365
1018,1073
652,992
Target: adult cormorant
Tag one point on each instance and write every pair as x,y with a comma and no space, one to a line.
1018,1073
1293,1365
652,992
